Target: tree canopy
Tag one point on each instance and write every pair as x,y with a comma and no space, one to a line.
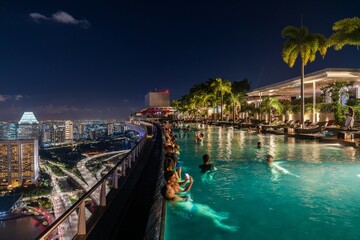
346,32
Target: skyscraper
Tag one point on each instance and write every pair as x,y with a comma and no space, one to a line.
18,162
69,131
28,127
156,99
58,134
110,128
8,131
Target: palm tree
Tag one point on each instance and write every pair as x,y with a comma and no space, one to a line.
236,98
301,42
221,86
205,98
346,32
270,104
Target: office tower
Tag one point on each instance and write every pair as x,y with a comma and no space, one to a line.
18,162
110,129
81,129
58,134
45,133
118,128
28,127
156,99
69,131
8,131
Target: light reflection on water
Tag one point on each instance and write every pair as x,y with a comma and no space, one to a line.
26,228
317,197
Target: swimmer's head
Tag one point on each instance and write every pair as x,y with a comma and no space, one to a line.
269,158
259,144
169,149
206,158
168,175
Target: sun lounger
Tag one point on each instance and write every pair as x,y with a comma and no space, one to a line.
320,126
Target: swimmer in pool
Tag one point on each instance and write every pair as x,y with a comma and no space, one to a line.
172,181
184,203
275,167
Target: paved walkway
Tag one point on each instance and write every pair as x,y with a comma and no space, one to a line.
128,213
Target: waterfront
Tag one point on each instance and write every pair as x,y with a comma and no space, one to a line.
30,228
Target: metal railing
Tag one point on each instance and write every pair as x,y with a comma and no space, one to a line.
119,170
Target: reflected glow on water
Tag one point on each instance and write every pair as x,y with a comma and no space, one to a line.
312,192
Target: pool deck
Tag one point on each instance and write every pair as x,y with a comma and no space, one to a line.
310,136
325,139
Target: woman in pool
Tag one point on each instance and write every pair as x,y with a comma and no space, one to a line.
199,137
184,203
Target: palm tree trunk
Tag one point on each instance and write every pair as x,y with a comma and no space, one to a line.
221,107
302,94
270,117
233,112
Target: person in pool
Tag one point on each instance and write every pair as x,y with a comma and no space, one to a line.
184,203
199,137
172,181
259,145
171,155
169,194
206,166
269,159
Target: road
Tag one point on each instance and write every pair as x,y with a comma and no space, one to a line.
61,203
89,177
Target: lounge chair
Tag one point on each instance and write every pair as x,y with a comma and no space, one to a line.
319,127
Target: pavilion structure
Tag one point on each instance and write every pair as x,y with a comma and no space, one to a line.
313,82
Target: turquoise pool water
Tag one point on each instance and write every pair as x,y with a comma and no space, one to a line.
312,191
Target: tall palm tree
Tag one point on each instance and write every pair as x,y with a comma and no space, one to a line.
301,42
346,32
221,86
269,104
236,98
205,98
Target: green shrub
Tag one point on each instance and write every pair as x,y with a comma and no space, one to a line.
326,107
353,102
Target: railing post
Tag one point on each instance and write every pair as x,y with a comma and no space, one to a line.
134,155
81,230
103,194
115,179
120,170
123,168
129,160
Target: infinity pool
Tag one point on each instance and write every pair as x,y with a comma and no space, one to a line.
312,191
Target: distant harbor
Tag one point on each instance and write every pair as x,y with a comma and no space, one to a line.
30,228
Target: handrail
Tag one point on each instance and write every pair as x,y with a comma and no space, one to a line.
130,156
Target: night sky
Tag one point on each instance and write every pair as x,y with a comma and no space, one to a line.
97,59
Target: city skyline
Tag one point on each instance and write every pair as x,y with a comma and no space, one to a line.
88,60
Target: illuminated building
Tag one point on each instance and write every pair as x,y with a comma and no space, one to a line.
8,131
18,162
57,134
69,131
28,127
157,104
157,99
110,129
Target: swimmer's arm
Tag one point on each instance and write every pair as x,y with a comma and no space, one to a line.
180,199
188,187
177,175
182,183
